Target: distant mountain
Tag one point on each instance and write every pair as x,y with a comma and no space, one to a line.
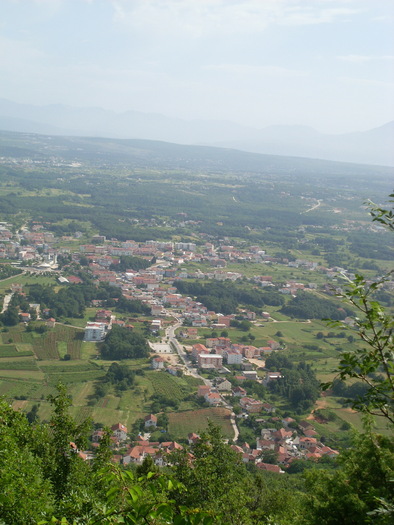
374,146
370,147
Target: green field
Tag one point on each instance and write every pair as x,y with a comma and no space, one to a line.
183,423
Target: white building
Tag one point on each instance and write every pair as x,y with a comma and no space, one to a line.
233,357
95,332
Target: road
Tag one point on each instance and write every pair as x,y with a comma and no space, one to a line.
7,299
313,207
173,341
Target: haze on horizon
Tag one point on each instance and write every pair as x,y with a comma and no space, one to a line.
328,64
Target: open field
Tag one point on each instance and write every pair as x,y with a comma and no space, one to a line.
182,423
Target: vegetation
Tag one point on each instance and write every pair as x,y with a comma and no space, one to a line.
373,365
121,343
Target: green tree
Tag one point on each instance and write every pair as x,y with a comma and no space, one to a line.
218,481
65,434
373,362
26,494
353,494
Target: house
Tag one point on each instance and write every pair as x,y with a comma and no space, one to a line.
224,386
103,315
270,468
307,443
210,361
250,404
233,357
73,279
251,375
95,332
213,398
271,376
150,421
157,363
203,390
239,392
51,322
24,317
97,435
155,325
198,349
192,438
138,453
119,431
274,345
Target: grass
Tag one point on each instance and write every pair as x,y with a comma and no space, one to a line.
25,375
26,280
182,423
13,351
18,364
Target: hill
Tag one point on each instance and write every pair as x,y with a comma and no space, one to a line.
371,146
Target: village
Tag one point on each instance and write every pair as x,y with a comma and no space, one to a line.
176,319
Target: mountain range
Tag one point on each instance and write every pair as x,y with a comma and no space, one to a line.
374,146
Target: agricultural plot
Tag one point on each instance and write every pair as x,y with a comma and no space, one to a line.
18,364
192,381
13,351
45,348
74,349
166,385
73,377
182,423
11,388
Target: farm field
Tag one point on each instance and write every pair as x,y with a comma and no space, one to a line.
182,423
32,364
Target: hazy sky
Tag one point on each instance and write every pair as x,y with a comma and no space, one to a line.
328,64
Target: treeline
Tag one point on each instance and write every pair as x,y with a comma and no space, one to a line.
308,306
226,297
6,270
298,383
71,300
121,343
128,262
372,246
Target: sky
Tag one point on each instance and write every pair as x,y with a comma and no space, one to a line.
328,64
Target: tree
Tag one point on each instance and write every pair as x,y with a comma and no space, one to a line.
359,491
162,420
10,317
25,492
373,363
64,432
217,482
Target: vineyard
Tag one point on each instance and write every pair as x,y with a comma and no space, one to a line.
45,347
167,386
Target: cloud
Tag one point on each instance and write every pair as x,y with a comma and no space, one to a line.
221,17
374,82
243,69
361,59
